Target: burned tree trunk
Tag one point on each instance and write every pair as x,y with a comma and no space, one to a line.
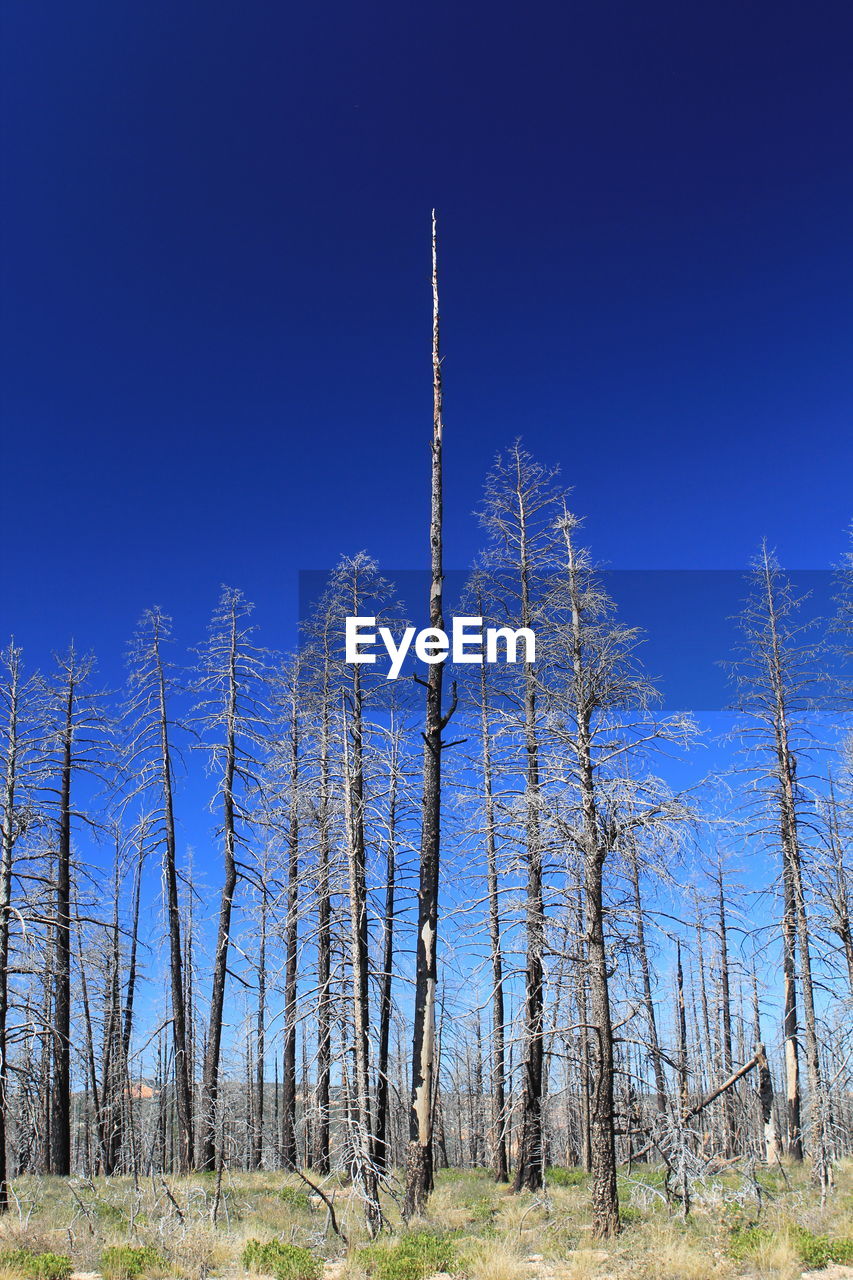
645,973
419,1161
726,1014
181,1064
288,1091
529,1171
363,1168
324,946
60,1096
380,1140
500,1163
257,1151
210,1069
594,845
8,834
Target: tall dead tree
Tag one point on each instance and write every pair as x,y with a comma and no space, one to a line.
149,728
323,632
10,692
645,973
75,741
229,714
362,1165
778,688
259,1106
836,882
291,751
381,1143
725,1012
602,724
419,1161
500,1161
18,777
518,511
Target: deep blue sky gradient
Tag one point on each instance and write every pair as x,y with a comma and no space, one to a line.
215,346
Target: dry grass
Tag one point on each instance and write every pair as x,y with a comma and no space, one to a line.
670,1253
495,1232
494,1260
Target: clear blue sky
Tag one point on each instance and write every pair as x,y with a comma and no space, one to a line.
215,340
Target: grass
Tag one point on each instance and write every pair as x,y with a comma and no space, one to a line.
266,1224
131,1262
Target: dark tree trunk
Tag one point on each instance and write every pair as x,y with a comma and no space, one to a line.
210,1070
181,1065
289,1152
605,1201
530,1169
324,950
7,841
648,999
726,1016
380,1144
257,1152
419,1162
60,1097
500,1162
364,1172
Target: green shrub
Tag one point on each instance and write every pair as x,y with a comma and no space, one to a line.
482,1209
15,1259
558,1176
36,1266
109,1213
284,1261
745,1240
129,1262
412,1257
815,1251
819,1251
293,1198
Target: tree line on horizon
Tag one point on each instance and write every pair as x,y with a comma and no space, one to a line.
456,923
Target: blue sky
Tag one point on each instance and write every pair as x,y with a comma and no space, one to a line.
215,314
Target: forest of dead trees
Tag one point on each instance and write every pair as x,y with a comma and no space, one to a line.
469,918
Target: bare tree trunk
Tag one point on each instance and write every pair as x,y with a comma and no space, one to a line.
112,1078
380,1142
42,1128
210,1070
419,1162
130,993
726,1016
92,1077
60,1097
583,1059
257,1152
8,835
324,946
765,1086
529,1171
786,766
181,1066
500,1163
363,1168
605,1201
289,1153
838,891
648,999
681,1026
